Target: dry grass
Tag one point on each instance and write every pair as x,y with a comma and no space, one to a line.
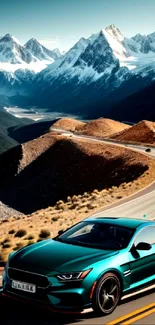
44,233
75,208
88,164
20,233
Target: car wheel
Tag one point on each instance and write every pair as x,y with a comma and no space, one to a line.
106,295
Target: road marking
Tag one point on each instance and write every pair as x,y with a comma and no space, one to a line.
132,314
135,319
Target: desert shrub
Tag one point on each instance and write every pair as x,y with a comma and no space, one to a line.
59,202
6,245
74,198
96,191
21,233
6,240
44,233
11,232
55,218
60,206
29,237
94,196
74,205
18,246
91,206
85,194
119,196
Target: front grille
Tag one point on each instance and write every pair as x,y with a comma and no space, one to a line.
28,277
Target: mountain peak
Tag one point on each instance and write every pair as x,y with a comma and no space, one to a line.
111,27
114,32
32,40
40,51
13,52
9,38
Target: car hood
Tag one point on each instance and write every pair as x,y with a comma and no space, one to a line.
50,255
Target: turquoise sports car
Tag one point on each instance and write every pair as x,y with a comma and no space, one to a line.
92,264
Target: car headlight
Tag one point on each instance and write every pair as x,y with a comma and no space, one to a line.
72,276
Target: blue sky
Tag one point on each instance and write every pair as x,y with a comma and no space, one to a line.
60,23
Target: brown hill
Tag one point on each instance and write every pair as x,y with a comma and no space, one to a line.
143,131
102,127
33,178
68,124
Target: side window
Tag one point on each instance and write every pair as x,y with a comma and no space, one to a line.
146,235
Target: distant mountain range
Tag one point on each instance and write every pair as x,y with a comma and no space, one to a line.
11,51
96,77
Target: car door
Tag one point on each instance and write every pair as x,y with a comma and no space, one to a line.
142,262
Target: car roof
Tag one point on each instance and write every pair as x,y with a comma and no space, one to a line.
124,222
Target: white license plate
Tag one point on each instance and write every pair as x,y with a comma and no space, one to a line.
24,286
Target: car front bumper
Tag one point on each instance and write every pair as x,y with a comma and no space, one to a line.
72,297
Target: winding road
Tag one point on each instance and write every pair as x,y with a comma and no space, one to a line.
133,309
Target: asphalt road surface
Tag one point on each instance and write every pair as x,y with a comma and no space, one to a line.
139,309
139,148
134,309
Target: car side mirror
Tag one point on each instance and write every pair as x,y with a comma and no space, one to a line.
143,246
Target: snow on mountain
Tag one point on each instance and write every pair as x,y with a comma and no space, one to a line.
97,59
103,58
12,52
63,65
90,59
33,56
41,52
132,53
146,42
72,55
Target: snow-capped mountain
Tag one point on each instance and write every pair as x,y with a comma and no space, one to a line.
100,53
146,42
95,72
131,52
33,56
19,64
11,51
41,52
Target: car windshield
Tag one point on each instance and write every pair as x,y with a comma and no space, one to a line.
97,235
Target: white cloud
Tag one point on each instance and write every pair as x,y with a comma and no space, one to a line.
62,44
51,43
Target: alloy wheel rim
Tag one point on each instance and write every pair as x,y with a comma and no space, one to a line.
108,294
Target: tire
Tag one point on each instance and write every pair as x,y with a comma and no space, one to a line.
107,294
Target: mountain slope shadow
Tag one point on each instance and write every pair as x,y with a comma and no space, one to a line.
31,131
67,168
9,162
